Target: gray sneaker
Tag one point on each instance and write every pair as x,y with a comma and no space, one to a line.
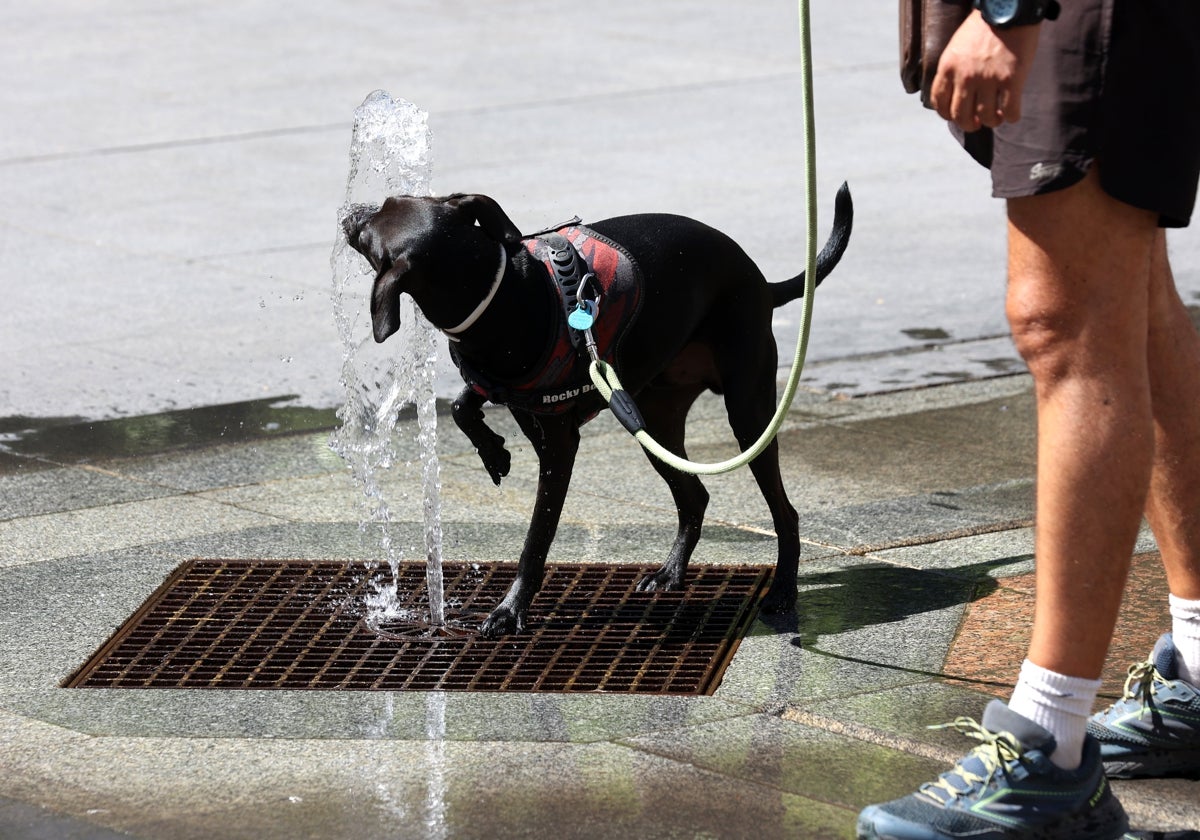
1154,729
1005,789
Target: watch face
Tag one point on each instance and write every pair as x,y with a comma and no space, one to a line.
1001,11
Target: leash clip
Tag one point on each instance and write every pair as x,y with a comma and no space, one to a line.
583,317
589,342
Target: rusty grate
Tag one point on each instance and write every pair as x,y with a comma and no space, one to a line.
297,624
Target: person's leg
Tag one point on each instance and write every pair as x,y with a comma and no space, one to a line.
1079,268
1154,729
1078,305
1079,265
1173,508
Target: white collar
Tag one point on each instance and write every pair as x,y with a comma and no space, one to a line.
483,304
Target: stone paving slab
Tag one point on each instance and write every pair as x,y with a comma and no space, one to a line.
171,182
817,714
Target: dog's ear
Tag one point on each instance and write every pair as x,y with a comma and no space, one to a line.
494,221
385,300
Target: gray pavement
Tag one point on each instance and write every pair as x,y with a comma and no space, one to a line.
913,505
172,174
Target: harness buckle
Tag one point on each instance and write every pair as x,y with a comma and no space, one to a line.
575,279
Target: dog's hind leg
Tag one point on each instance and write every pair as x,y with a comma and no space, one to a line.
781,597
555,438
664,411
750,403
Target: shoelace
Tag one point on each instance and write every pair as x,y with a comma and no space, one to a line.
994,753
1140,681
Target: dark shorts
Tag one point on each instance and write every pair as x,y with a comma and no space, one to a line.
1114,82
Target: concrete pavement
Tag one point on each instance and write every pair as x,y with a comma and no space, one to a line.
915,509
172,174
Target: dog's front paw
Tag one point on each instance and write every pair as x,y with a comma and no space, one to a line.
496,460
780,598
666,579
504,621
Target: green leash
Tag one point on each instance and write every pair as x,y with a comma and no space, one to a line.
605,377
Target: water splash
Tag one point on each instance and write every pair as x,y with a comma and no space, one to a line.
433,812
436,827
389,155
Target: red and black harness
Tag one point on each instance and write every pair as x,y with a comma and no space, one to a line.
599,285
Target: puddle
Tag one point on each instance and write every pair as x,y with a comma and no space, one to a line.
927,334
75,440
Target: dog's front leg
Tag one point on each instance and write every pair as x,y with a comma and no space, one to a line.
467,411
556,440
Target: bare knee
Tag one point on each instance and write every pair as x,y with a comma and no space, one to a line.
1084,325
1079,266
1045,332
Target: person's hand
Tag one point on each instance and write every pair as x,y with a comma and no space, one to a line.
982,72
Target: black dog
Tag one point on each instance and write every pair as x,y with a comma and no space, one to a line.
702,322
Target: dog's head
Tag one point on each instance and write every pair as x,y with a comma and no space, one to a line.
416,243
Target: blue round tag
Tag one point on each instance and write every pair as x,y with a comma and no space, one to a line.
582,319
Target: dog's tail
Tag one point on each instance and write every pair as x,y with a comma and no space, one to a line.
839,238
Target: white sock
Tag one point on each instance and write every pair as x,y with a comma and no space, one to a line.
1185,631
1058,703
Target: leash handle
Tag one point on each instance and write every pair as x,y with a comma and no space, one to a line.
604,377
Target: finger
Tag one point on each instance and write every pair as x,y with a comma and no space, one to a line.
1009,105
940,94
987,108
962,108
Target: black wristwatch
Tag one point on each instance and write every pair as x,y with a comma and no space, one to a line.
1003,14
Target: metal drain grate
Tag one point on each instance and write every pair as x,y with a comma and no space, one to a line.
298,624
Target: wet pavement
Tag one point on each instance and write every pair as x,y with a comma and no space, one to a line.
915,510
171,373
